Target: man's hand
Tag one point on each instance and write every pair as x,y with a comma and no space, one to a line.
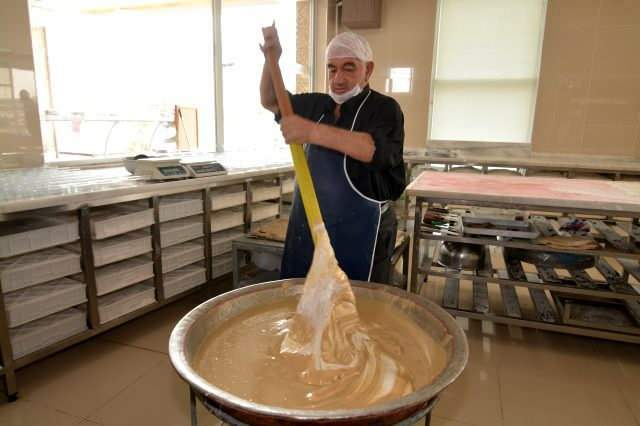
296,129
271,40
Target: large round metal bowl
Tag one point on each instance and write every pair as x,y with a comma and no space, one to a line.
196,325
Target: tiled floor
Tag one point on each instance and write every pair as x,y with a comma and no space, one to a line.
514,377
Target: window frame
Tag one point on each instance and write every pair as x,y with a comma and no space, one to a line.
216,9
466,143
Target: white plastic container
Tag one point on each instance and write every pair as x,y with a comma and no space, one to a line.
122,274
226,219
38,301
262,191
183,279
221,241
122,302
178,206
119,219
30,235
221,265
38,267
181,230
228,196
177,256
262,211
46,331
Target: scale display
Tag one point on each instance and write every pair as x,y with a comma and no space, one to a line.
172,170
206,169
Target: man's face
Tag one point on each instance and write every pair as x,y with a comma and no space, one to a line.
345,73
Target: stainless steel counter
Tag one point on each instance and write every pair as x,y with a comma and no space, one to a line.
67,188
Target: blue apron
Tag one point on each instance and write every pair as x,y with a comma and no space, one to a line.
352,219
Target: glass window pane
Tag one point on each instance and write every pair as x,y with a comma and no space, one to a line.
247,124
134,62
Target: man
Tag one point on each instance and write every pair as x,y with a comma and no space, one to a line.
354,139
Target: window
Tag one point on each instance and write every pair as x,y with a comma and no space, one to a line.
110,74
247,125
118,77
399,80
486,68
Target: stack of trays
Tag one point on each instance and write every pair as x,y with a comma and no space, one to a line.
118,248
122,274
221,241
180,255
46,331
262,211
221,265
119,219
37,295
226,219
38,267
263,191
287,186
120,303
35,302
183,279
36,234
178,206
228,196
181,230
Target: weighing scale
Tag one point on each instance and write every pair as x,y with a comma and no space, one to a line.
163,168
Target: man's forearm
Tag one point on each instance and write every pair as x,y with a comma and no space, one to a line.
267,92
357,145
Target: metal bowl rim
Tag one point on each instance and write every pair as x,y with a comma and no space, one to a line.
426,393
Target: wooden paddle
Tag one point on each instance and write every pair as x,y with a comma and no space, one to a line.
300,165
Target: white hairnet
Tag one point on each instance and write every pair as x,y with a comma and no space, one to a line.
349,45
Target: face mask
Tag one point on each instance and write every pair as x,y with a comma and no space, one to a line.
344,97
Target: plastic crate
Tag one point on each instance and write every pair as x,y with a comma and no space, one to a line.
122,302
221,242
226,219
20,237
177,256
46,331
38,267
181,230
183,279
228,196
38,301
119,219
122,274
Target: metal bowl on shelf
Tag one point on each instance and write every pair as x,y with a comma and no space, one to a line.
455,255
191,331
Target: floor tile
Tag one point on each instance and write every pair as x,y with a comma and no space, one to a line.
530,401
441,421
628,358
152,331
28,413
474,397
85,377
159,397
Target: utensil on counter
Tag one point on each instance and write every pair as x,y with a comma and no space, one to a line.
459,256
